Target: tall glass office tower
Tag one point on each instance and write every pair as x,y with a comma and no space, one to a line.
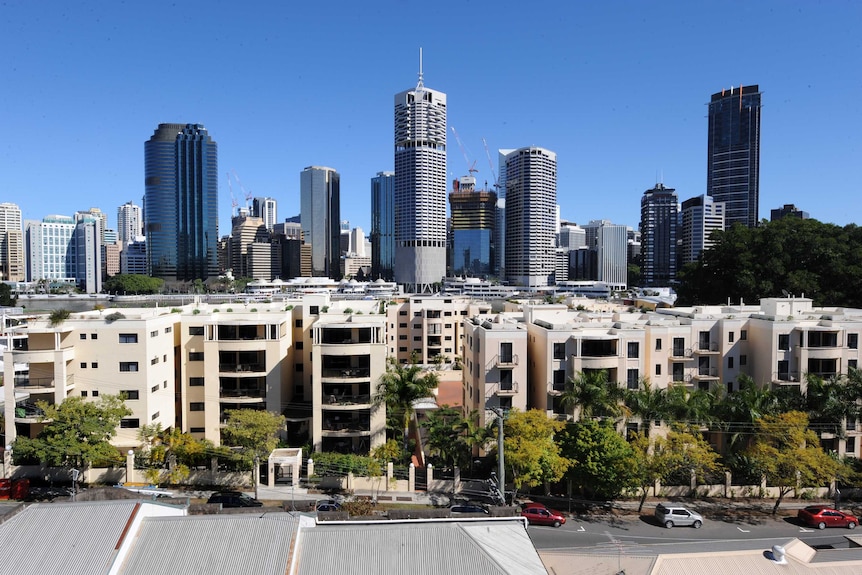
733,154
320,215
659,233
181,203
383,226
474,214
420,188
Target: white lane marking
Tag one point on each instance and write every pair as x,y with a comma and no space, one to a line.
581,529
744,530
804,530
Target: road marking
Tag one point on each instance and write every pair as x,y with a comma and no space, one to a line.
581,529
804,530
744,530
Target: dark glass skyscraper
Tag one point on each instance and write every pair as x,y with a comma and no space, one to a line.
383,226
181,203
659,233
474,214
733,153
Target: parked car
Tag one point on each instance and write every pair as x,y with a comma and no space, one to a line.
462,509
327,505
822,517
234,499
671,515
541,515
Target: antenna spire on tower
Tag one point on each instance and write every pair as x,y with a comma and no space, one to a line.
419,86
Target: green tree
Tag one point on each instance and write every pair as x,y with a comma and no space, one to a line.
77,433
255,431
788,454
133,284
445,435
399,388
603,463
530,450
651,463
648,403
7,298
593,395
689,406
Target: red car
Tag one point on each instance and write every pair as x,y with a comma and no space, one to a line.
541,515
823,517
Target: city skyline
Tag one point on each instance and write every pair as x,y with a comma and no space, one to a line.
622,113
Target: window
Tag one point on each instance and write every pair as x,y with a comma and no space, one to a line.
402,349
658,345
83,394
852,363
83,336
632,376
730,363
196,330
559,350
658,369
130,423
165,384
634,349
743,360
730,337
169,329
299,367
743,334
155,416
505,403
130,393
154,333
94,364
298,345
165,358
154,361
83,365
447,337
417,338
402,337
447,350
402,312
196,382
402,325
128,338
95,393
196,406
853,340
505,351
784,341
447,326
314,310
678,347
154,389
198,430
447,314
128,366
297,323
196,356
94,336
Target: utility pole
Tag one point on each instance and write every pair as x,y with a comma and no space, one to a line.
256,474
501,466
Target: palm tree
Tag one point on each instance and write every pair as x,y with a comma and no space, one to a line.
400,387
831,402
593,394
648,403
689,406
738,411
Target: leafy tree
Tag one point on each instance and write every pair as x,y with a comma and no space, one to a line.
651,463
254,431
530,449
58,316
133,284
798,256
169,454
648,403
7,298
788,453
593,394
689,406
445,435
602,462
77,433
737,412
830,402
389,451
399,388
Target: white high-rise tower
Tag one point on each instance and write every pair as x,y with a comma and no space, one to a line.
420,187
129,222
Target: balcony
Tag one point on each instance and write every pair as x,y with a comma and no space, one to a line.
340,426
786,377
706,373
556,388
506,360
241,332
251,395
707,348
681,353
346,401
242,368
344,374
505,389
36,385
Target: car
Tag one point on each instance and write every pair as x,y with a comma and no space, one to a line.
327,505
234,499
671,515
541,515
822,517
461,509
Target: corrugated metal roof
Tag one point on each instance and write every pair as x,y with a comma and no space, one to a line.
431,548
77,538
213,544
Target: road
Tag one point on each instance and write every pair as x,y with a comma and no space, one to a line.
633,535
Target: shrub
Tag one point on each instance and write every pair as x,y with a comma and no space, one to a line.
112,317
58,316
196,312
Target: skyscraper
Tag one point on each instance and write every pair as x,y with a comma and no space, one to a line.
265,209
733,154
88,253
531,216
320,201
129,222
608,260
181,203
701,216
51,249
659,226
474,214
383,226
12,264
420,188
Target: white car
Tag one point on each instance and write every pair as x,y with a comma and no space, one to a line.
671,515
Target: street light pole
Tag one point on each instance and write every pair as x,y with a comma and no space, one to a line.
501,466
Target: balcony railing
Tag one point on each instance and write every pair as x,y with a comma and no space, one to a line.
36,383
346,372
350,425
233,393
786,376
681,352
506,389
335,400
707,372
241,367
556,388
707,347
501,360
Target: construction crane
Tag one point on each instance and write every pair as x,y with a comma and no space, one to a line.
233,202
491,164
248,195
472,167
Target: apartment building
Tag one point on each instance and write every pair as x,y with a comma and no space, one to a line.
429,327
495,364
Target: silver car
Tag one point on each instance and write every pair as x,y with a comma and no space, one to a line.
670,515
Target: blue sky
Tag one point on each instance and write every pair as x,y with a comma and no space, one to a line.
617,89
